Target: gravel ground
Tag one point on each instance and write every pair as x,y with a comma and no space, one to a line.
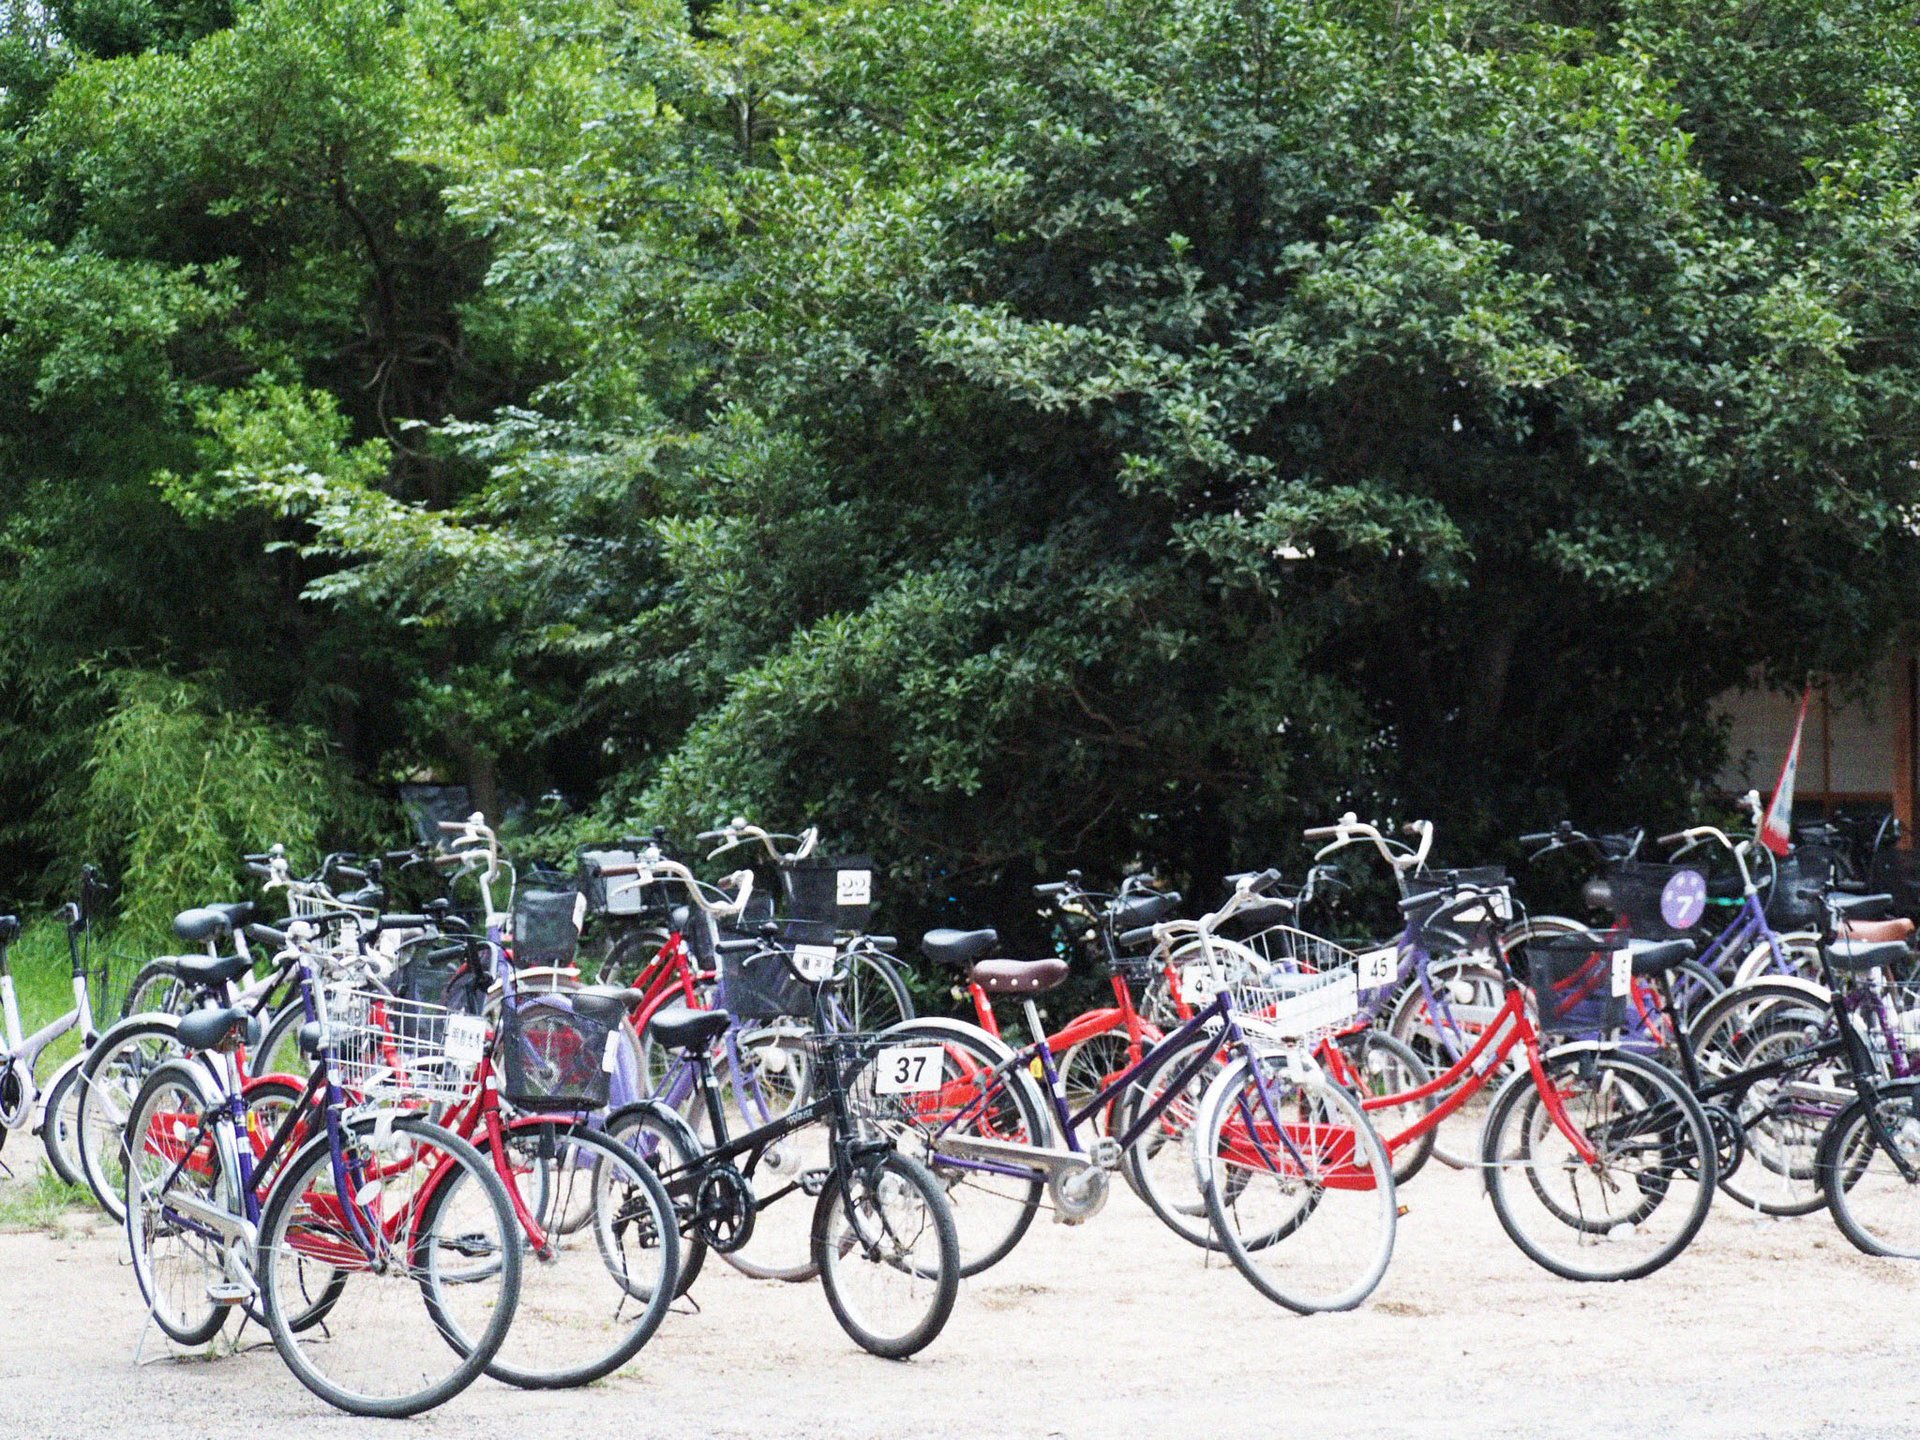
1115,1328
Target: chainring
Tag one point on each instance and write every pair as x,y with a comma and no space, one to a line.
723,1209
1078,1195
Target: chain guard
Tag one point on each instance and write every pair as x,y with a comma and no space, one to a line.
723,1209
1078,1195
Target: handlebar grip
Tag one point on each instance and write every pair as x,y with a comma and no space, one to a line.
616,871
1172,897
265,872
1321,832
350,872
266,935
706,835
1414,902
405,922
1677,836
1048,891
1264,881
1134,937
1537,839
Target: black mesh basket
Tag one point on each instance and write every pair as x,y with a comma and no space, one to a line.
1455,935
1572,981
761,984
554,1051
1651,897
544,928
1794,900
428,972
837,892
619,894
1897,872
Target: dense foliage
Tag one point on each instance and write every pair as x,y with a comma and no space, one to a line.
994,429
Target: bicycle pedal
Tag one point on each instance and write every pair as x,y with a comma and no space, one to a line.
229,1292
1105,1153
812,1182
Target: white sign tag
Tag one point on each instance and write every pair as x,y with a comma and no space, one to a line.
814,962
906,1069
1622,972
610,1058
1378,968
466,1039
579,911
853,887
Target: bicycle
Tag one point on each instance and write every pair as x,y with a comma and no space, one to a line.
880,1220
379,1250
981,1125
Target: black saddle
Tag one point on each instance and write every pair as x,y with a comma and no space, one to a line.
681,1027
208,922
211,1029
205,972
958,948
1657,957
1867,954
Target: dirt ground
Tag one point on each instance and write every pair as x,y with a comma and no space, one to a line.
1116,1328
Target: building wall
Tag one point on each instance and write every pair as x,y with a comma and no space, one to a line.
1847,751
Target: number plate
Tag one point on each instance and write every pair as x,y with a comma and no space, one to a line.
905,1069
610,1058
853,887
813,962
466,1039
1622,972
1378,968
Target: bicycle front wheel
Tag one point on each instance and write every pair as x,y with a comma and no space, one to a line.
1297,1183
180,1161
420,1251
888,1255
116,1068
1607,1172
1870,1169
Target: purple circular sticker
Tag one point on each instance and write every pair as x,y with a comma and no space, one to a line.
1684,900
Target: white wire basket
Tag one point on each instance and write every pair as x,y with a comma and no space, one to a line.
387,1048
1285,983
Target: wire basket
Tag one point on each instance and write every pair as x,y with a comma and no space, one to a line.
1658,902
1795,900
546,926
1579,983
838,892
388,1048
558,1050
619,894
1289,984
761,984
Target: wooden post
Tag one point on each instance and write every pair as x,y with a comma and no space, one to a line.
1904,681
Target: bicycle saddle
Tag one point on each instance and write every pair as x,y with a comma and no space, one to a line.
958,947
681,1027
1018,977
206,972
1657,957
1148,909
203,923
210,1029
1880,932
1866,954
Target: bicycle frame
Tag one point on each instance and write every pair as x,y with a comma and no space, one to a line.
21,1054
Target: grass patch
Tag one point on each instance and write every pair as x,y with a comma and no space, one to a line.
40,1202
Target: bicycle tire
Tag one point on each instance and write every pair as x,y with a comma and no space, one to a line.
1858,1198
628,1215
155,1134
991,1212
59,1122
298,1199
157,989
1456,1139
1301,1242
115,1070
1159,1166
666,1143
1659,1126
889,1180
1383,1068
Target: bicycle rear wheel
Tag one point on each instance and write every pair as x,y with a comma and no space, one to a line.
1159,1166
978,1096
888,1255
1641,1197
1873,1200
609,1269
1298,1185
177,1156
424,1282
1381,1068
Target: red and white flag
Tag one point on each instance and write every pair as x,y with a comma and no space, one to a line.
1776,829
